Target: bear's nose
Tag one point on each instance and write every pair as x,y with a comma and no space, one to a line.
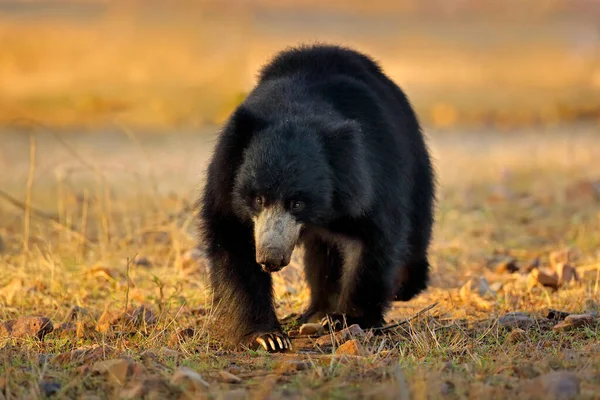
271,258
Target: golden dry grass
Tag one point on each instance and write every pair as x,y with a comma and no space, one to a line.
128,199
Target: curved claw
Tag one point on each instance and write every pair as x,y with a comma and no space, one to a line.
262,342
274,342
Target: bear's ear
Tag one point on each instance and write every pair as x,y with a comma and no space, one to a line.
348,158
245,121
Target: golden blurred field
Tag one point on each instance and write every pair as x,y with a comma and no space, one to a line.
160,65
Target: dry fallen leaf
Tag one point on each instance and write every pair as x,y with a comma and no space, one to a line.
574,321
542,277
566,274
517,335
118,370
477,291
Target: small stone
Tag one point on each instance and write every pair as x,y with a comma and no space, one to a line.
37,327
557,385
143,262
507,267
351,332
189,380
566,274
478,286
516,320
351,348
517,335
311,329
447,388
542,277
478,291
574,321
117,370
49,389
557,315
1,245
228,377
181,336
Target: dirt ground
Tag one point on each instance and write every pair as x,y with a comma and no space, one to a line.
103,247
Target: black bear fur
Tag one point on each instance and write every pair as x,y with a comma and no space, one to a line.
324,124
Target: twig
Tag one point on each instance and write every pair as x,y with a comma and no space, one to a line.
30,175
128,284
406,321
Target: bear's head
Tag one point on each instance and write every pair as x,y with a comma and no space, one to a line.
283,183
296,171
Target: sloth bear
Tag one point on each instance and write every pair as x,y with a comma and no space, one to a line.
327,153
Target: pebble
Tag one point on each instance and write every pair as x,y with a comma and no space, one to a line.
516,320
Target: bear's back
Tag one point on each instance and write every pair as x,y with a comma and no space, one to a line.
320,61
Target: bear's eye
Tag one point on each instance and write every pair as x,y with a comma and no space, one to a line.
258,200
297,205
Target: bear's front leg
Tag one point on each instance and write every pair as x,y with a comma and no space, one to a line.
242,291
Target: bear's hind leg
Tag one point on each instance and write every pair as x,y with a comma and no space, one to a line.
411,279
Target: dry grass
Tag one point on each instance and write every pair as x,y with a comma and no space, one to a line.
124,228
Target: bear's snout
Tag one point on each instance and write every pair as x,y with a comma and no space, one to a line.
272,259
275,235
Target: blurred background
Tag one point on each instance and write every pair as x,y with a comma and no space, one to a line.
158,65
127,96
